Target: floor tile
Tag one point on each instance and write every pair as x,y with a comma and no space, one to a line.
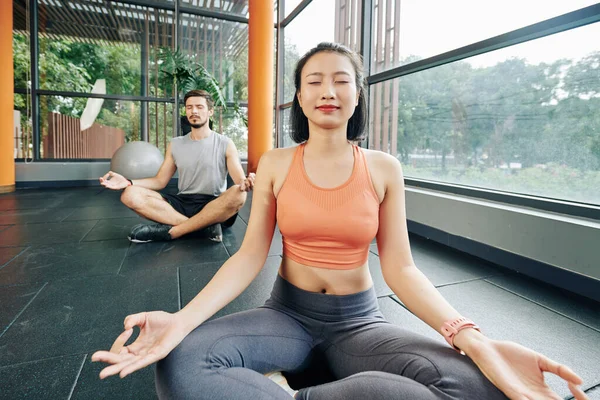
102,199
244,212
373,248
56,232
14,299
31,202
398,315
67,260
276,248
107,229
234,236
139,385
503,315
445,266
594,394
100,212
46,379
45,198
195,277
580,309
19,217
147,256
86,314
8,253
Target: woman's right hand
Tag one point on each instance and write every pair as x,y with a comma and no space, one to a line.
160,332
114,181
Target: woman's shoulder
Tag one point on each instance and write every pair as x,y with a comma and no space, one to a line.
276,157
380,160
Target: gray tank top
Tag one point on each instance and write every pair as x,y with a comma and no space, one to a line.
202,164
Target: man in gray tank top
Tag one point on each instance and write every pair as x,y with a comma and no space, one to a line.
203,159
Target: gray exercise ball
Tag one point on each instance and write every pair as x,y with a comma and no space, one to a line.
137,160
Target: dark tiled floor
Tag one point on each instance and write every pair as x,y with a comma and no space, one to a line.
68,277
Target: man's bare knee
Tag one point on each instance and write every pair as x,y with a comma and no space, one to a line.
132,197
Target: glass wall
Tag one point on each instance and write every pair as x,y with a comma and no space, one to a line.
222,48
300,36
337,21
409,30
522,119
111,64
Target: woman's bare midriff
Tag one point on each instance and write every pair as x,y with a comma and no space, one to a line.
328,281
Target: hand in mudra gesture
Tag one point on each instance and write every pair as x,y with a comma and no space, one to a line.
160,332
114,181
519,371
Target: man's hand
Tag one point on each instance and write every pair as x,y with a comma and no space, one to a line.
114,181
248,183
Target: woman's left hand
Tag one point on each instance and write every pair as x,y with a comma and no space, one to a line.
519,372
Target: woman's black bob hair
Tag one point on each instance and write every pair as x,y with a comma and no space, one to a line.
358,121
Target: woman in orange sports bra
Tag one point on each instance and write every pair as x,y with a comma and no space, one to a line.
330,199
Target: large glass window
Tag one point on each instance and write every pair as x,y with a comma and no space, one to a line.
233,125
21,49
160,124
222,48
517,125
286,127
82,43
409,30
290,5
300,36
69,132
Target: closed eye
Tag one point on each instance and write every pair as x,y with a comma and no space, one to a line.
314,83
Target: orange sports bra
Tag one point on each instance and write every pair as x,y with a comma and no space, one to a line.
328,228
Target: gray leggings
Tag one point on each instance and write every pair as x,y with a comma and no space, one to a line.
369,358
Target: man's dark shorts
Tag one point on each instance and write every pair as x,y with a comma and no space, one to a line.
191,204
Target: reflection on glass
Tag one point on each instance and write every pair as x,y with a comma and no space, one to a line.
516,126
410,30
115,42
222,48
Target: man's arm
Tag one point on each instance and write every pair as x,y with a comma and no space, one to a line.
234,165
162,177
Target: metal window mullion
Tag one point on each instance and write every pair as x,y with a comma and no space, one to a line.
279,68
365,52
35,103
299,8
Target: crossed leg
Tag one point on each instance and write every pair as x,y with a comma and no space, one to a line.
151,205
226,358
383,361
